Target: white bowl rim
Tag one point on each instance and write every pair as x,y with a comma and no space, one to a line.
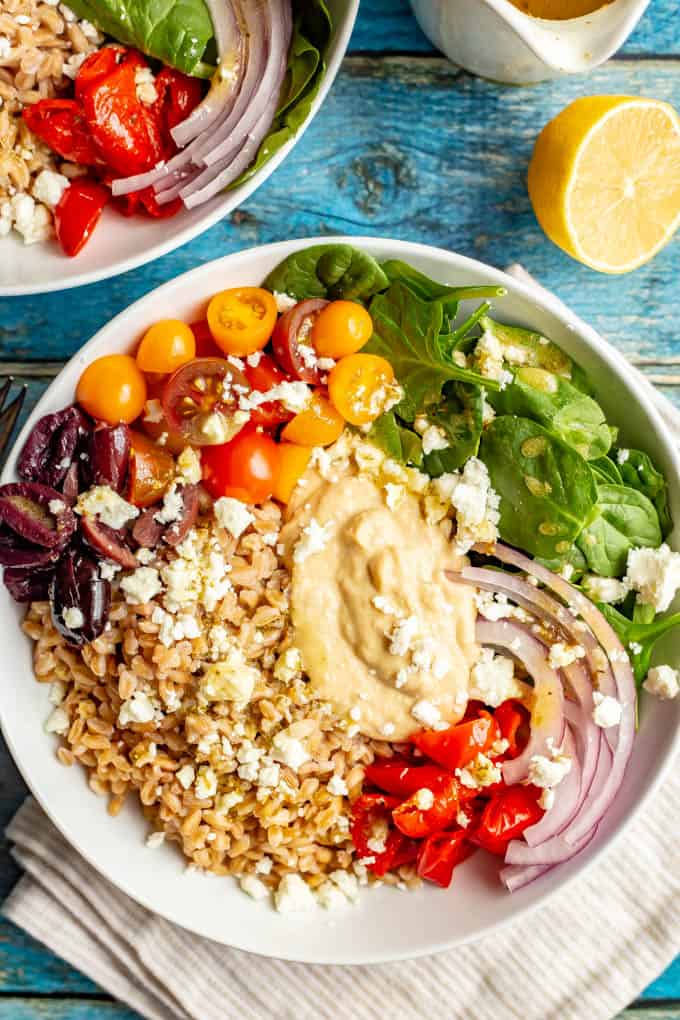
225,206
618,365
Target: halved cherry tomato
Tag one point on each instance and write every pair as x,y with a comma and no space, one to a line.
505,817
372,820
293,462
245,469
362,387
61,124
262,377
319,425
241,320
291,341
150,471
165,346
513,720
341,328
200,400
205,345
77,213
440,853
401,778
112,389
416,817
458,745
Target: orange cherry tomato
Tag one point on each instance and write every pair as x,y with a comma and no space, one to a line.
245,469
112,389
165,346
362,387
242,319
293,462
319,425
341,328
151,469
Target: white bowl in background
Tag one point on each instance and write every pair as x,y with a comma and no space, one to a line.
120,243
387,924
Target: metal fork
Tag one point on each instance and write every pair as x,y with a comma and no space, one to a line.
9,413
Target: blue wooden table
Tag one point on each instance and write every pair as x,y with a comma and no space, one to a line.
407,146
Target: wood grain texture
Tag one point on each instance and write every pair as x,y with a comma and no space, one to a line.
389,26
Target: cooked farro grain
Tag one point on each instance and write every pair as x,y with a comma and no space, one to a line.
41,48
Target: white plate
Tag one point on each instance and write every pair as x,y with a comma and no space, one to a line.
387,924
120,244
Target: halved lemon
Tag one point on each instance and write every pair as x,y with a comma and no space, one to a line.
604,180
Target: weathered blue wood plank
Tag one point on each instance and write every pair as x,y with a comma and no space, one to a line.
458,182
389,26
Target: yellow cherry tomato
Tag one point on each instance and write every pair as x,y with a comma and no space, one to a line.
165,346
341,328
319,425
293,462
362,387
112,389
242,320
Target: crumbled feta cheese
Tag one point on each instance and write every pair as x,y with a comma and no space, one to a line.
284,302
330,897
426,713
31,220
264,866
462,820
269,776
655,575
153,411
101,501
562,654
403,636
547,773
254,359
173,506
547,799
314,538
155,839
489,354
480,772
476,503
205,786
607,710
424,799
58,722
434,438
137,709
189,466
394,494
294,896
226,801
295,397
48,187
185,776
604,589
663,682
144,86
73,618
233,515
142,585
383,605
289,750
254,887
622,456
288,665
492,679
218,429
230,679
337,786
347,883
108,570
635,647
57,692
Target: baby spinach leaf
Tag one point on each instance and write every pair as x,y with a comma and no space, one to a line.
627,518
638,471
459,416
398,442
174,31
605,470
547,490
553,401
574,558
429,290
406,331
328,271
644,634
525,347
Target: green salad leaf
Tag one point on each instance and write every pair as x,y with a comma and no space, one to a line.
641,634
547,491
328,271
605,470
626,519
429,290
174,31
394,439
406,331
554,402
460,417
638,471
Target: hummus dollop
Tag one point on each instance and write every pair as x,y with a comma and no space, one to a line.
380,627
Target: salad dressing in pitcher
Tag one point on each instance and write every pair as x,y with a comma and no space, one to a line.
558,10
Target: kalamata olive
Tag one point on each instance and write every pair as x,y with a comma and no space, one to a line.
38,513
107,542
147,531
16,552
109,452
27,585
77,586
50,448
178,530
70,487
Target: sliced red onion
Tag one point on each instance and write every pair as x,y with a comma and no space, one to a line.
547,719
514,876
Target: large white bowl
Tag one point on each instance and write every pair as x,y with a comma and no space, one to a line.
387,924
120,244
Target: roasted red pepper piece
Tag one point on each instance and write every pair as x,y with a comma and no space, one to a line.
78,212
178,94
513,722
440,853
430,809
505,817
372,819
61,124
458,745
401,778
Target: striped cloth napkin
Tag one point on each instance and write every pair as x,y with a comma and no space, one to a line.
588,953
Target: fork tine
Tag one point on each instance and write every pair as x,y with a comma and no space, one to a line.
4,389
8,417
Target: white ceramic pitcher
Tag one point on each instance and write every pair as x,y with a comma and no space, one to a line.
494,39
